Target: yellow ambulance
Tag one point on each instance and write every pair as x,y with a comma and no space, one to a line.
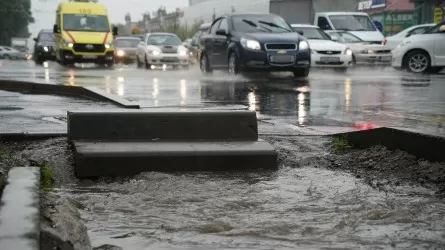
83,33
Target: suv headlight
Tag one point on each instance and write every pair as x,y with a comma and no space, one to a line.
108,45
348,52
303,45
155,52
250,44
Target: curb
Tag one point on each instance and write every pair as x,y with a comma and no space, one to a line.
429,147
77,91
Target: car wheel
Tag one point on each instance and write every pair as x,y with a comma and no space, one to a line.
38,61
204,64
301,72
7,57
147,65
233,64
417,61
110,65
138,62
435,70
354,61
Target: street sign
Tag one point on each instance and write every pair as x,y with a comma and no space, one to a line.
371,4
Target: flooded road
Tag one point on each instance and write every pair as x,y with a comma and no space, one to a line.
303,205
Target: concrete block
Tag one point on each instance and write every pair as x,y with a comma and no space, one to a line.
19,213
163,126
95,159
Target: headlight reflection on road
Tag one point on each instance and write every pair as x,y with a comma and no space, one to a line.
301,109
348,93
155,92
47,75
183,89
72,80
252,101
107,84
120,86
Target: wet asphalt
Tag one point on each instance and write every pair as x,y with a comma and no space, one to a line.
366,95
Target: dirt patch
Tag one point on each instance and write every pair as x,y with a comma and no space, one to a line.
380,166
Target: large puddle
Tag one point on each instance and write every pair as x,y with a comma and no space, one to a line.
297,208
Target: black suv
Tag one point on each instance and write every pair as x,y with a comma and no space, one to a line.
44,47
254,43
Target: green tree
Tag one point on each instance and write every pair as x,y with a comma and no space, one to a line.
15,16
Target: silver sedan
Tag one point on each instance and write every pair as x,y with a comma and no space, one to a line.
363,52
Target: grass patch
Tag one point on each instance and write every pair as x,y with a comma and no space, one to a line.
340,143
46,177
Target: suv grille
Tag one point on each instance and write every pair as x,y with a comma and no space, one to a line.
328,52
82,47
278,46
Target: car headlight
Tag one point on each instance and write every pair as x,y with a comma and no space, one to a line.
250,44
108,45
367,51
120,53
155,52
183,52
303,45
45,49
348,52
68,44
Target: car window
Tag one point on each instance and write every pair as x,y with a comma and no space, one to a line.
348,38
46,37
126,43
260,23
166,39
214,27
224,25
314,33
323,23
433,30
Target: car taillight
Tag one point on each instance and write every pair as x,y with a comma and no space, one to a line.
384,41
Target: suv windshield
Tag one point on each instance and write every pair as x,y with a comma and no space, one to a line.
171,40
352,22
46,37
260,23
126,43
313,33
92,23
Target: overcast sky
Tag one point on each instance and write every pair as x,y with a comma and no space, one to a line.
118,8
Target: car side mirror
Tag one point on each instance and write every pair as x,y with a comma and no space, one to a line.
334,38
221,32
56,29
115,31
300,32
35,39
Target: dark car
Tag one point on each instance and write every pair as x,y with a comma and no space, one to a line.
194,48
44,47
125,49
254,43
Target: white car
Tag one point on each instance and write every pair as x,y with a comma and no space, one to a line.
325,53
162,50
422,53
363,52
392,41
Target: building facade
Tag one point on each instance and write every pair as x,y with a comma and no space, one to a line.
395,15
429,11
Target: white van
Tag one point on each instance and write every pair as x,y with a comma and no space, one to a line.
357,23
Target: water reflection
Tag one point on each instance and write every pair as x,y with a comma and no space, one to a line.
120,86
183,92
347,93
155,91
277,99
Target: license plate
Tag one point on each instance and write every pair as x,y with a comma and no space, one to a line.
282,59
330,59
385,58
89,57
170,59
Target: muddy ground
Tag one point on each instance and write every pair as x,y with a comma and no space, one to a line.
379,167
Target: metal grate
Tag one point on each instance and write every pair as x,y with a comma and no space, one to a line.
279,46
328,52
93,48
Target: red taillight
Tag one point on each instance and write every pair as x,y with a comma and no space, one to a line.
384,41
